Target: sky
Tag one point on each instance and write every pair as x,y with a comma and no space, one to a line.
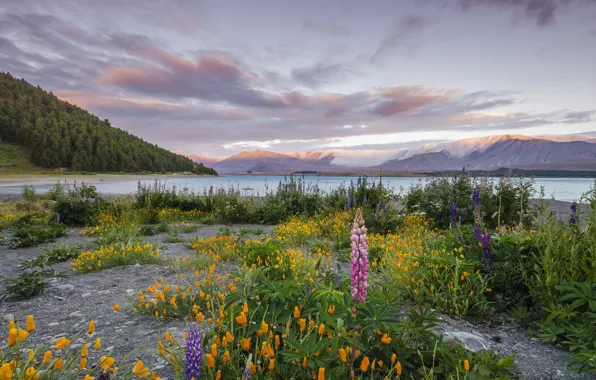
363,78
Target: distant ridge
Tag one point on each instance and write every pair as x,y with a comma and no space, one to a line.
57,134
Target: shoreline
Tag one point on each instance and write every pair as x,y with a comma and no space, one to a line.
50,179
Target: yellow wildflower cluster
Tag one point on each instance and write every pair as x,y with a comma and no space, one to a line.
175,214
107,222
53,360
111,256
221,248
297,231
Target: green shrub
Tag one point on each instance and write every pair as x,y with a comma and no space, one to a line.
31,281
60,253
79,205
26,234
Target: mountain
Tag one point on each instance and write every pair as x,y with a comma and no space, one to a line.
262,161
493,152
56,134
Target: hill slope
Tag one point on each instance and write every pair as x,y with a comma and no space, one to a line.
13,158
262,161
60,135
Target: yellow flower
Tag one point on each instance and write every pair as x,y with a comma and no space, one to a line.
398,368
226,357
88,377
168,336
218,375
30,324
31,355
321,374
12,337
296,312
264,327
84,350
302,324
210,360
304,363
116,307
385,339
241,319
97,345
245,308
331,310
6,372
245,343
321,329
271,365
31,374
47,357
229,336
140,370
154,376
82,363
466,365
91,328
214,350
58,365
364,364
106,362
393,358
343,356
61,343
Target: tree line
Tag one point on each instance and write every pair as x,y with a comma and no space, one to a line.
60,135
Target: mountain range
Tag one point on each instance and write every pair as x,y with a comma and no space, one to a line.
567,152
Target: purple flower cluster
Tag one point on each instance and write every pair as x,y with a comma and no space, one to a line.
573,216
476,198
246,373
194,353
453,215
348,200
487,250
359,256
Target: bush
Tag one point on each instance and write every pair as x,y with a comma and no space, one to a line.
26,234
113,256
79,205
60,253
30,282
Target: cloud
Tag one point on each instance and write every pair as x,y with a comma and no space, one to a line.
404,29
324,27
318,74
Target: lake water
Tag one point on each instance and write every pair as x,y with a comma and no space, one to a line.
564,189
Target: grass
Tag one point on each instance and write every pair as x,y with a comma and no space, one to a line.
15,159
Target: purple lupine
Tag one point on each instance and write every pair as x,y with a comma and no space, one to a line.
359,181
573,217
354,202
194,352
246,373
364,199
476,198
359,257
477,233
453,212
486,249
384,206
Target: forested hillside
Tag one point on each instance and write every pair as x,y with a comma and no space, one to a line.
60,135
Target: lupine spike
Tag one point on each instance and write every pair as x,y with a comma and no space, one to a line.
359,257
194,352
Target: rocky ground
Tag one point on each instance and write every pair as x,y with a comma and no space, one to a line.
70,302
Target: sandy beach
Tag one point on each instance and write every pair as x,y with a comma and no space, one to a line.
49,179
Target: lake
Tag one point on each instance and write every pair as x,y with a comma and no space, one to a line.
564,189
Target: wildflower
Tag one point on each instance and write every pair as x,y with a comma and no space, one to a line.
321,374
84,350
296,312
168,336
331,309
30,325
97,345
47,356
486,249
214,349
229,336
61,343
31,374
264,327
31,355
116,307
88,377
453,212
218,375
364,364
304,362
385,339
321,330
6,372
245,343
82,364
91,328
226,357
359,257
245,308
302,323
393,358
573,216
343,355
58,365
241,319
106,362
154,376
12,337
247,368
271,364
398,368
466,365
140,370
194,352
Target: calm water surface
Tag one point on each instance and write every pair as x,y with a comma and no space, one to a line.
565,189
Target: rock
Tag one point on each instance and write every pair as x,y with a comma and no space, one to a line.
137,265
59,298
472,342
103,292
65,287
110,348
8,318
85,295
129,291
53,324
76,314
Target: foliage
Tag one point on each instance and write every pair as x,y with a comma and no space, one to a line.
78,205
26,234
61,135
120,255
60,253
32,279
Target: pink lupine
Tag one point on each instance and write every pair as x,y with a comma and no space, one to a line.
359,256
